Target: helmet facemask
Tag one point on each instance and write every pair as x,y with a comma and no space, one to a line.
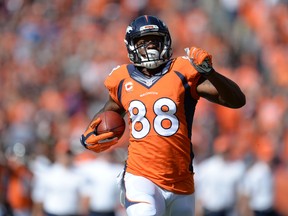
148,54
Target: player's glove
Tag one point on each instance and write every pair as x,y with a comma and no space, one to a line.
200,59
97,143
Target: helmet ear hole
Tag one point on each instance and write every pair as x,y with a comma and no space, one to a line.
143,26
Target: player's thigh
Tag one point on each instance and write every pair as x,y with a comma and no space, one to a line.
143,197
183,205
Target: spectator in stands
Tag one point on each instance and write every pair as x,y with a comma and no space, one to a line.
18,181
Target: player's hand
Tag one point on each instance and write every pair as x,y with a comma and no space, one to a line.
97,143
200,59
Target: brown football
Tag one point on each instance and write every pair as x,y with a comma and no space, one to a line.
111,122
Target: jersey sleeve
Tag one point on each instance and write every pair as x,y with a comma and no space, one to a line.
190,73
113,83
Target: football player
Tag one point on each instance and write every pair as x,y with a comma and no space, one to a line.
160,94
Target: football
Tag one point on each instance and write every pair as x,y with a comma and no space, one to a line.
111,122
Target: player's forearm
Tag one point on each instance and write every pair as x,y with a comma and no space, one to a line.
230,93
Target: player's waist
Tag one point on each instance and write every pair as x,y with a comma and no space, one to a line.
178,185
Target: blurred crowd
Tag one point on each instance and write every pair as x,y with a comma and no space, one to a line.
55,55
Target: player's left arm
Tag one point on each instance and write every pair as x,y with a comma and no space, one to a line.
221,90
213,86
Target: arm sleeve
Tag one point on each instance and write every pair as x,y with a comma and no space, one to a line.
183,64
114,83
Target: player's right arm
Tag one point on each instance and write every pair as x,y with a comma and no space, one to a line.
98,143
89,138
111,105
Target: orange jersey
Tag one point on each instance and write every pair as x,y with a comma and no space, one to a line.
161,110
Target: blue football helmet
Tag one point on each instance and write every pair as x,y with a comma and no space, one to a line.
143,26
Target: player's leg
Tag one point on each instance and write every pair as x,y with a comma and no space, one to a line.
183,205
143,197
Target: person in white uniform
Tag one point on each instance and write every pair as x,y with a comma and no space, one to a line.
60,190
101,184
257,194
217,180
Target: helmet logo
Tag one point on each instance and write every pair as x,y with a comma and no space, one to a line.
155,27
129,29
